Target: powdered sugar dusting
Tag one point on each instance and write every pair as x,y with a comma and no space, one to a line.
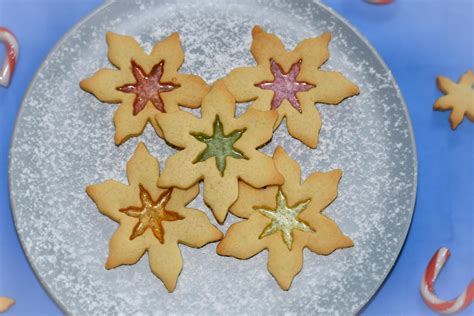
64,141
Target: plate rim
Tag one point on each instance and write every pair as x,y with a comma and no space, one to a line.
323,6
411,132
14,136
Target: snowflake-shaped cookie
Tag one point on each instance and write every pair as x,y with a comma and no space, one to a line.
459,98
144,84
152,219
218,148
290,82
285,219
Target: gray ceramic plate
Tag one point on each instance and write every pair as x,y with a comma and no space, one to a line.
64,140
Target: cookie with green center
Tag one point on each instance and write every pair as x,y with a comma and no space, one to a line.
219,149
285,219
290,82
144,84
151,219
220,146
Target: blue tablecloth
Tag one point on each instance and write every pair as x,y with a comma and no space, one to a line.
418,39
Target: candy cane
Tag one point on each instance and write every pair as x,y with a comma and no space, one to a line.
427,292
12,54
379,1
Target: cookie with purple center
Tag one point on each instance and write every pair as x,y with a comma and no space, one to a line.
290,82
144,84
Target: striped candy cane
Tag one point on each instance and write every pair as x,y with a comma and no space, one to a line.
12,54
427,282
379,1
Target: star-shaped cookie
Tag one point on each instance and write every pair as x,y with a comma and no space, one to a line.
290,82
152,219
459,98
218,148
144,84
285,219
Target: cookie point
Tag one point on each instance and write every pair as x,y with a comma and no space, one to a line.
280,153
162,184
141,146
119,139
279,179
439,80
338,172
220,249
284,285
6,303
220,84
110,36
356,89
220,217
89,189
83,84
311,142
279,150
453,124
347,242
327,36
109,265
219,234
257,29
170,287
175,36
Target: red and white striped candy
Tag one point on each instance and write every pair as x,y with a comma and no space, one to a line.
379,1
427,283
12,54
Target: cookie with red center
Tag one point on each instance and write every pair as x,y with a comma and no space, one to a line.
290,82
151,220
144,84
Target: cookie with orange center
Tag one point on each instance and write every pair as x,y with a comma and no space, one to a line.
458,98
285,219
219,149
151,219
144,84
290,82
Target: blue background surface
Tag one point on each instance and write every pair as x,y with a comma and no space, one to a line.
418,39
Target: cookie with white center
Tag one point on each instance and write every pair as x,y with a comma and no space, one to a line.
285,219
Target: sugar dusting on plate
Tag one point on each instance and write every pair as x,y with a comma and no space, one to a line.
64,141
